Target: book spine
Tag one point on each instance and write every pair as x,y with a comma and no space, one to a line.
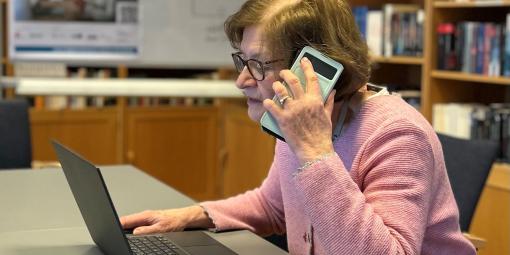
494,48
374,32
506,57
441,46
387,13
473,48
468,41
450,59
363,21
420,18
359,18
480,48
489,34
459,45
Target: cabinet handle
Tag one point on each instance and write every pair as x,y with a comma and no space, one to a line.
130,156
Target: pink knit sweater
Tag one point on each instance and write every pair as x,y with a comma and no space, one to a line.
385,191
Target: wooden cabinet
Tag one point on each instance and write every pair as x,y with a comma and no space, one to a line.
247,152
177,145
91,132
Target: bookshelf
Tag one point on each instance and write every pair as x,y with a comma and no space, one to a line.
402,68
492,216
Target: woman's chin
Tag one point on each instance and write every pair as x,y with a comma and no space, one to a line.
255,111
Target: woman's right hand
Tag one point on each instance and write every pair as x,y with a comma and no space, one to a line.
159,221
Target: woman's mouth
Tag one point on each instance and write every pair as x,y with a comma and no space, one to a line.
253,100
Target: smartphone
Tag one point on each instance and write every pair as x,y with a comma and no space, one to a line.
328,72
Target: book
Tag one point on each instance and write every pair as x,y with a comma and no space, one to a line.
480,42
397,29
375,32
476,122
360,15
494,65
459,44
447,59
477,47
396,26
506,56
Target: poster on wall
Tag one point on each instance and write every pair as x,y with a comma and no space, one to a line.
74,30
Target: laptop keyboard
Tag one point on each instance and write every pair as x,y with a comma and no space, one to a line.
154,245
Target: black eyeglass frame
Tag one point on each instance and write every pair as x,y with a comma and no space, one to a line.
263,65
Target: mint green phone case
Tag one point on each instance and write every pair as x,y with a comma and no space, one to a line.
328,72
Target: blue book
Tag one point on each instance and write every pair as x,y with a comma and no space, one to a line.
494,62
506,56
360,15
480,48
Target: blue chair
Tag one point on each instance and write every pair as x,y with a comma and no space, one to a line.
15,141
468,163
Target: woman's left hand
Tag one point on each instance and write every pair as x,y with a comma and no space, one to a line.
304,120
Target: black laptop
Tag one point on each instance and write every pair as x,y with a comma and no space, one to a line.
93,199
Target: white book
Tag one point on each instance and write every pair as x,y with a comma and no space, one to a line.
453,119
388,46
464,121
78,102
438,117
55,102
375,32
98,101
450,120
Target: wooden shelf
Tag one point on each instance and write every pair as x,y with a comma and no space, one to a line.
397,60
459,76
491,4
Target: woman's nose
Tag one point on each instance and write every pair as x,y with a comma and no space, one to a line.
245,79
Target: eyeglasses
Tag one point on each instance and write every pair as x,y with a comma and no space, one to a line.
256,68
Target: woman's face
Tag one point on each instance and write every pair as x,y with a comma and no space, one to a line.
256,91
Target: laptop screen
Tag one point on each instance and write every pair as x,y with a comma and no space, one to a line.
96,207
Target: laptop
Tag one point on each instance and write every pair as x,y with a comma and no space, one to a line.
96,207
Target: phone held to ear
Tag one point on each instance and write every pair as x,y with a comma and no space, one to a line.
328,72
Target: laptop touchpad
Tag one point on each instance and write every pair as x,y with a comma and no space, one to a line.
209,250
190,238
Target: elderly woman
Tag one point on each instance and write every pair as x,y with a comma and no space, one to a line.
379,186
